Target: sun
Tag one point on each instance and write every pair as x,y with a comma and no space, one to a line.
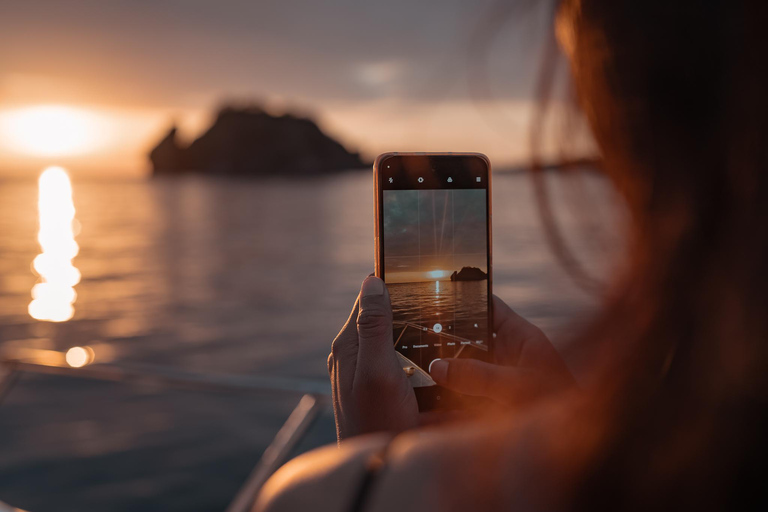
437,274
51,130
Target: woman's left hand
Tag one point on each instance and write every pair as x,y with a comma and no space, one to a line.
371,392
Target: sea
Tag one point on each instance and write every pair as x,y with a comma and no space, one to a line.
226,277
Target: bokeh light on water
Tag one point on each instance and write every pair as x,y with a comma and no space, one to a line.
53,297
77,357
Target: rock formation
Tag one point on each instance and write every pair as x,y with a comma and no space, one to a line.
252,142
167,156
469,274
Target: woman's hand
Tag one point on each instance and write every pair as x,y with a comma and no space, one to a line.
528,368
371,392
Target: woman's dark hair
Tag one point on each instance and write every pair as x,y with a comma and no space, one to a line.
676,95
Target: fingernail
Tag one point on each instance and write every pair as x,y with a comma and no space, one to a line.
439,370
372,286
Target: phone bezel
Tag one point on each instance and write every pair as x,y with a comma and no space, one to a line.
437,397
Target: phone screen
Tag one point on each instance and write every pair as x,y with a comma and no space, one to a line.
434,255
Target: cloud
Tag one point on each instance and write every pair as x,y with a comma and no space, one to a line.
175,52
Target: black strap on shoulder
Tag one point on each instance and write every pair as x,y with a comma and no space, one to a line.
373,468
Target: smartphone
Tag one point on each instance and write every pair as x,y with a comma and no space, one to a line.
433,251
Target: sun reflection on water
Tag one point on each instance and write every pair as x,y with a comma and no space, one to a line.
54,295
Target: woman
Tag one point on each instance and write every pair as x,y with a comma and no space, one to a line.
673,415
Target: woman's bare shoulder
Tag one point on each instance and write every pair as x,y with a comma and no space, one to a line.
327,478
454,468
474,466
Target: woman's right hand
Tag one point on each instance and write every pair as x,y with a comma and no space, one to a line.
529,367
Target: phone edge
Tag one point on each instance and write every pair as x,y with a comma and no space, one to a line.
376,213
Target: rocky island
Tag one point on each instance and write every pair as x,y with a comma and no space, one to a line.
469,274
252,142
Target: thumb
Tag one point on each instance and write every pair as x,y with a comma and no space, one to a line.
477,378
374,323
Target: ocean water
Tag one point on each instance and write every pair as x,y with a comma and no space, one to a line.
455,305
223,277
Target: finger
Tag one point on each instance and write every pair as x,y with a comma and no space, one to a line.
513,332
343,358
504,317
374,328
477,378
346,341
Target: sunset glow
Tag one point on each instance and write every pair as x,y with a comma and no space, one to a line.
52,130
54,295
437,274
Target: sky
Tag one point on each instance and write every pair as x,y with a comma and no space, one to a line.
93,84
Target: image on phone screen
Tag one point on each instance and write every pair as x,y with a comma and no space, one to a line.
435,264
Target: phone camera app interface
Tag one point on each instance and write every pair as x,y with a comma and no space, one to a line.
436,270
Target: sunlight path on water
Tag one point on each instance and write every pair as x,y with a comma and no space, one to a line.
53,297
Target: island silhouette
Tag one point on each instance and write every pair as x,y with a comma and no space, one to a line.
469,274
249,141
